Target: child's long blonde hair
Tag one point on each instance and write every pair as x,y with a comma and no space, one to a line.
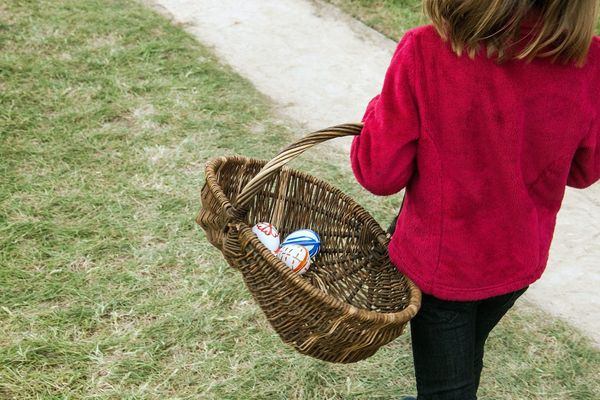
563,29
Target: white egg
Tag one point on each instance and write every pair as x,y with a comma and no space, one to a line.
267,234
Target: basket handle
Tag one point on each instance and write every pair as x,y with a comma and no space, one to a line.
291,152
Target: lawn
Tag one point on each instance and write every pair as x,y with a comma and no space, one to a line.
108,290
390,17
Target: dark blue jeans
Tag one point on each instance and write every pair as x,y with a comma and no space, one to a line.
448,339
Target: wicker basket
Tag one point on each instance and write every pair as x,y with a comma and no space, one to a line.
352,300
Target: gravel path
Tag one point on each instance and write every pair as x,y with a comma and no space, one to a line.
310,59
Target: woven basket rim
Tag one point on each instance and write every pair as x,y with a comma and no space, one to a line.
346,308
246,231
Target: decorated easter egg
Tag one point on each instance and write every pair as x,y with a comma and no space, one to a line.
307,238
294,256
267,234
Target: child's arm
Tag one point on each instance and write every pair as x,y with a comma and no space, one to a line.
585,167
383,155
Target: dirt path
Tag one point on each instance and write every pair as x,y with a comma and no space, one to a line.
307,56
321,67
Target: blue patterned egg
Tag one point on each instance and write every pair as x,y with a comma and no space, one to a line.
305,237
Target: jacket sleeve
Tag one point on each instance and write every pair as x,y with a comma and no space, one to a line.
382,156
585,167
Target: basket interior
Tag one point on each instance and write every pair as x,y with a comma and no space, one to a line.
352,265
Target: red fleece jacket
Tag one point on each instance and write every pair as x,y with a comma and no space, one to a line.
485,151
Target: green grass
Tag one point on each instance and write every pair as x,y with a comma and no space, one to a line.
108,290
390,17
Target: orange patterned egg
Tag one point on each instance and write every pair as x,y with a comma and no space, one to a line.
294,256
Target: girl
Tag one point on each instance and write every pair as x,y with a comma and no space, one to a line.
484,116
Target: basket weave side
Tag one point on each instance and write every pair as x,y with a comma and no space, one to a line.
310,320
217,210
350,302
